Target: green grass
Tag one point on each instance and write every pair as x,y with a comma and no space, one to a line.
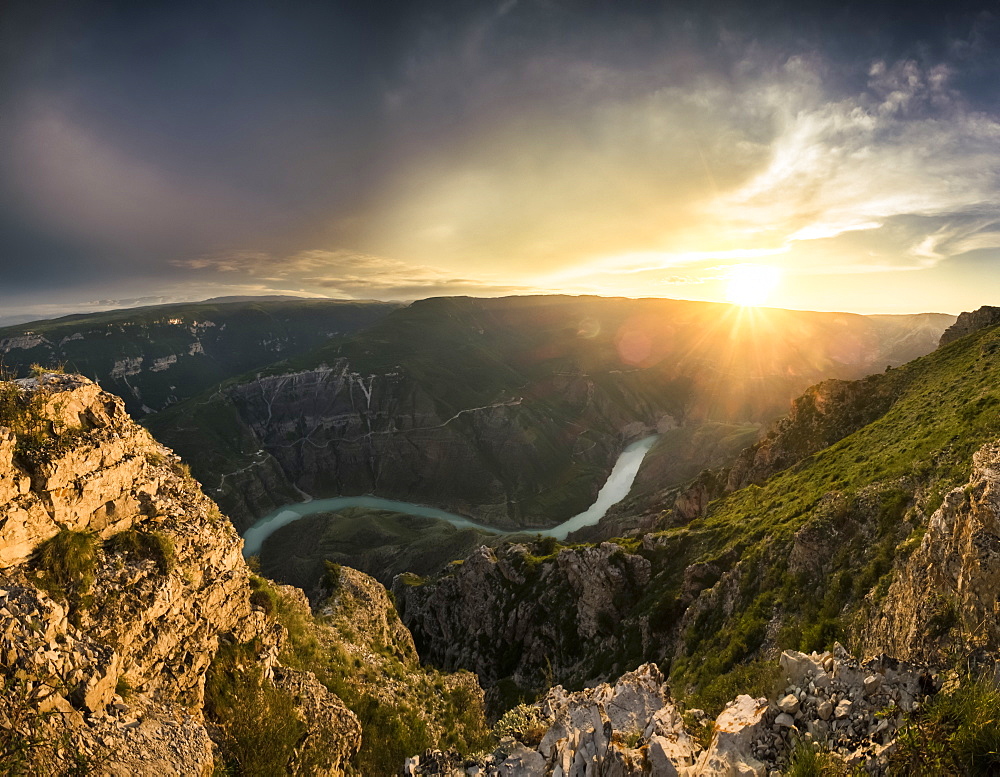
809,760
138,543
65,565
396,725
854,497
958,733
259,726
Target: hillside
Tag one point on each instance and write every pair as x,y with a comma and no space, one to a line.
882,540
156,356
512,410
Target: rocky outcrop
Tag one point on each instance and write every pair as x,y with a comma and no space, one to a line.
824,414
333,733
629,727
118,578
532,617
969,322
945,595
849,708
632,727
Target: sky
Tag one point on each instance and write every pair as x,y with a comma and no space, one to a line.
849,153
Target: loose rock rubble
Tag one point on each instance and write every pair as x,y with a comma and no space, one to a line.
853,709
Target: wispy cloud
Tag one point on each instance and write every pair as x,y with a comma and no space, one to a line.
348,274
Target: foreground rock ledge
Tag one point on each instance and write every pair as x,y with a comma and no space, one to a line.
632,727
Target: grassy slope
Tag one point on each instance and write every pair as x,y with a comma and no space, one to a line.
855,495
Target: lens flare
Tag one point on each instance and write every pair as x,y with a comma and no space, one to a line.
752,284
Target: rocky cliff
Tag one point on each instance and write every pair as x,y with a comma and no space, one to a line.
135,640
505,459
943,600
156,356
539,619
971,321
824,709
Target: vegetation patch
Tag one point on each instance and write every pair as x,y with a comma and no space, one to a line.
957,732
37,438
153,545
399,704
259,728
65,566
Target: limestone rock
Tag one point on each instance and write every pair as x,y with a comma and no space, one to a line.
333,733
955,570
520,608
730,750
156,608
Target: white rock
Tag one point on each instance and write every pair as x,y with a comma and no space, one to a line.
736,729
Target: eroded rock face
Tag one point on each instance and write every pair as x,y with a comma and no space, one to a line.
101,482
971,321
333,733
629,727
825,413
337,431
947,590
150,621
529,618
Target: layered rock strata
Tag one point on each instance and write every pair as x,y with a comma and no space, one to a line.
116,666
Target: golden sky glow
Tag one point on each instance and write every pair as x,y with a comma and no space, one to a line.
508,148
752,284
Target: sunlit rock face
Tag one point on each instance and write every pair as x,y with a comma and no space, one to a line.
945,596
971,321
632,726
167,583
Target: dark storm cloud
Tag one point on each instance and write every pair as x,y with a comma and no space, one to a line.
147,140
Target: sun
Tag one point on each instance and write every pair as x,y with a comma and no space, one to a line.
752,284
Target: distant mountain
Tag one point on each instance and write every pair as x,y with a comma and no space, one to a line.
512,410
156,356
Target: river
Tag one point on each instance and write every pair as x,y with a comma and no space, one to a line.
615,489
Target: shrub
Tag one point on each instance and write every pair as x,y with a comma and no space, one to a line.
154,545
523,723
955,733
331,577
263,595
66,565
808,760
259,727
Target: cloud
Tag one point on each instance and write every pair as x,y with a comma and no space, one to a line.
349,274
75,181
